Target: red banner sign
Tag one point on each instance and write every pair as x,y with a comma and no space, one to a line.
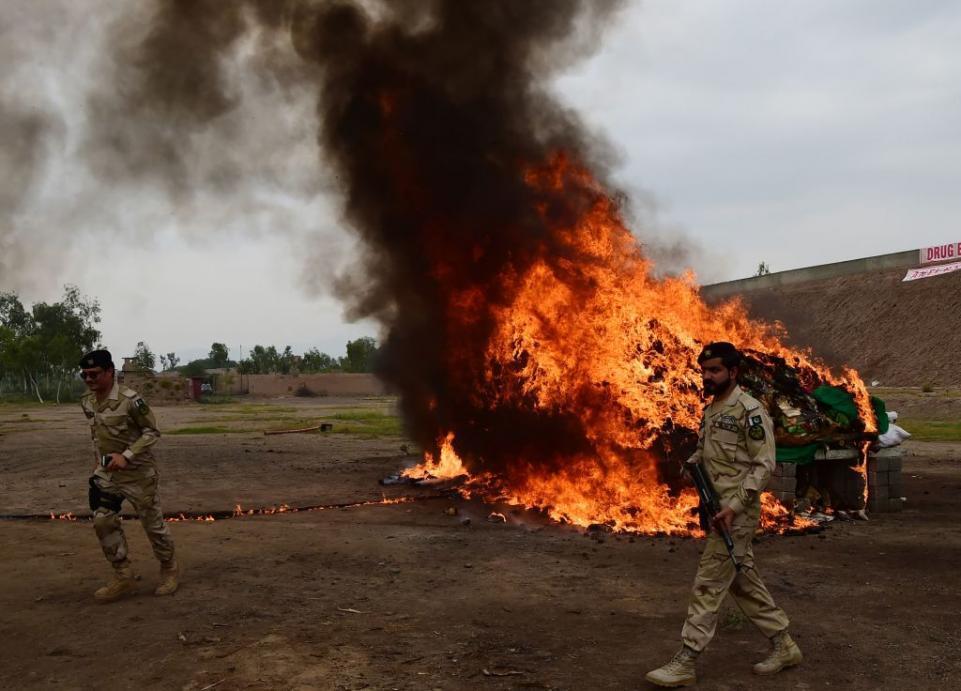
915,274
940,253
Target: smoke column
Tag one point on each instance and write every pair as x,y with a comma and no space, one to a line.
432,116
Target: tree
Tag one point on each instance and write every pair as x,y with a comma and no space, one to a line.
17,325
315,361
41,348
264,360
361,355
143,357
194,368
168,362
219,355
286,360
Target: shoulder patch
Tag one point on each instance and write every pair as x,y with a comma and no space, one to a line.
755,420
142,406
756,432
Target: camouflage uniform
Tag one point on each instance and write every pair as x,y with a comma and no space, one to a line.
124,424
736,447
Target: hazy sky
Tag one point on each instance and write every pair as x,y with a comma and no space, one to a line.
795,132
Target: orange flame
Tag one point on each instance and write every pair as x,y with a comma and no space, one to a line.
447,467
183,517
777,518
599,339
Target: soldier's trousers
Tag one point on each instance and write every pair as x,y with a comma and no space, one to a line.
717,577
140,488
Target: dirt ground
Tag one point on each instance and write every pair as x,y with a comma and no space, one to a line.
406,596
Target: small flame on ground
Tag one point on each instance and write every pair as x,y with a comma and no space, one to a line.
777,518
240,512
184,517
447,467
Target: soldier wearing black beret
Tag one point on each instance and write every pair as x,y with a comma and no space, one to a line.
123,430
735,448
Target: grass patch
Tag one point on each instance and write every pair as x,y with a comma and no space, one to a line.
26,418
366,423
9,401
216,399
293,423
363,415
732,619
211,429
383,426
14,430
250,422
932,430
257,408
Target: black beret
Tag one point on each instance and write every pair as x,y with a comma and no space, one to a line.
722,349
97,358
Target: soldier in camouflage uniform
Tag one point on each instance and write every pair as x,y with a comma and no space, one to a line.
735,446
123,430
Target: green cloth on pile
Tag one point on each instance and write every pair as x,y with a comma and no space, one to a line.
801,455
881,411
837,404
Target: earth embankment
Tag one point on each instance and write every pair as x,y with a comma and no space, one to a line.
893,332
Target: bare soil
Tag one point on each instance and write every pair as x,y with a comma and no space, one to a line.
406,596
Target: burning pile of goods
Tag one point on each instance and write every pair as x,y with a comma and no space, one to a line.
531,343
809,414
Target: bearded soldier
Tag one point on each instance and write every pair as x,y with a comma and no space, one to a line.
735,447
123,430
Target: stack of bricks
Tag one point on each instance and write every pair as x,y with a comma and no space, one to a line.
783,484
885,487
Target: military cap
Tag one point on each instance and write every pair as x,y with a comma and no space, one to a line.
97,358
726,351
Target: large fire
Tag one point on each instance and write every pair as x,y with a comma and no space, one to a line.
607,353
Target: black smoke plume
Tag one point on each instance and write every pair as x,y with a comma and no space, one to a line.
430,116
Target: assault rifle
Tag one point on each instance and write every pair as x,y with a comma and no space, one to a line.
710,506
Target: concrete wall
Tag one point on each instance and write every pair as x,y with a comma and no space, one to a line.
158,390
334,384
905,260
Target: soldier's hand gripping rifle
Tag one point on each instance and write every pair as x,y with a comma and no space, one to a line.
710,506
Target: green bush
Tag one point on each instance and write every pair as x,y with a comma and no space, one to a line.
215,399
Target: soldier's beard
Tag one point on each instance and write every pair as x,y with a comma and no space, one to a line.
712,387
